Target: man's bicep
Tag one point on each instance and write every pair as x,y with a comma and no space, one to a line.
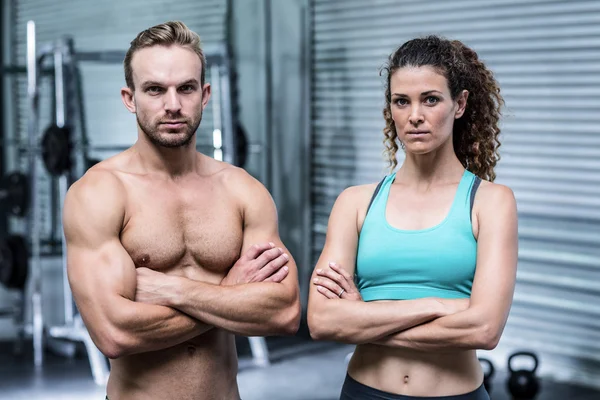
261,226
101,273
260,220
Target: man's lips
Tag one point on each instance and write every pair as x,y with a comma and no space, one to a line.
173,124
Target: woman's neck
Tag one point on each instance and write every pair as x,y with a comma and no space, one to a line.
441,165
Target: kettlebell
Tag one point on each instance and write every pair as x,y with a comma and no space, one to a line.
523,384
488,373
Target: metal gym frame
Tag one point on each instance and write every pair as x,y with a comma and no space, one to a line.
69,109
16,308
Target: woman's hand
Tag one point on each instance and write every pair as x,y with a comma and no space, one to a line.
336,283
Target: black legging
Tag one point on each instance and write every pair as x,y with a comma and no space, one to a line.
353,390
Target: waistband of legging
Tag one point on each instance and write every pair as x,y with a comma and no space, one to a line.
361,389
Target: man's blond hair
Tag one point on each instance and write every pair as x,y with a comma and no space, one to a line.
172,33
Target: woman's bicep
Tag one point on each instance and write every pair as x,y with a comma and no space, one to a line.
341,241
497,250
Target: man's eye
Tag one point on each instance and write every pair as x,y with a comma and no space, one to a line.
153,89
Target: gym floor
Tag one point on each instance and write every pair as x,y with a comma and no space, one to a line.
311,371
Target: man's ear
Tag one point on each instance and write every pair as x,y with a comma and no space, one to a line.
127,95
206,92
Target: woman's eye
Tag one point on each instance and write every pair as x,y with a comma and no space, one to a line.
401,102
431,100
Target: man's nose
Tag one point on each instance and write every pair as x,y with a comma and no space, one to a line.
172,101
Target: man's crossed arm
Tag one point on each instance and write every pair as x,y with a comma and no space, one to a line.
254,299
104,280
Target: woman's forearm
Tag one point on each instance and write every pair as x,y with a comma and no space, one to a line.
357,322
463,330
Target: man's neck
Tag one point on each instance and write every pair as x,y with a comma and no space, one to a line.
174,162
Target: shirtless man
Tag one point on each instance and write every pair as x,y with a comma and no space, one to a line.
170,252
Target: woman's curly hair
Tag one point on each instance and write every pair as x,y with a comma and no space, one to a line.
475,134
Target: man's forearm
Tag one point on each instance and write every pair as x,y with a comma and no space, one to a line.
253,309
143,327
463,330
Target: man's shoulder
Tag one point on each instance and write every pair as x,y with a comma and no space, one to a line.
94,203
237,179
98,185
96,178
246,191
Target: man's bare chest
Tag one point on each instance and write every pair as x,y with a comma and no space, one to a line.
170,231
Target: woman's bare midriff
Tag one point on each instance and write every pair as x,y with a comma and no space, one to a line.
416,373
202,368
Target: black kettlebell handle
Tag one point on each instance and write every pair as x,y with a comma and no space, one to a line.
523,353
491,370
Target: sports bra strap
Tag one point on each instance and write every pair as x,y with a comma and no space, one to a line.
476,183
375,193
474,188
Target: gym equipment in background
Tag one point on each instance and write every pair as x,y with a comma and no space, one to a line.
523,384
488,373
14,194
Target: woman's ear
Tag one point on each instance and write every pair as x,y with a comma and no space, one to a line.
461,102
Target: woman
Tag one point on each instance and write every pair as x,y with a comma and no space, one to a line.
433,246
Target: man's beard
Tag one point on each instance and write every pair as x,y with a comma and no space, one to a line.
173,139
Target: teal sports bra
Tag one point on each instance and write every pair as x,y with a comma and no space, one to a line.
396,264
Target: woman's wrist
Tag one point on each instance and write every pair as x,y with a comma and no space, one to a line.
439,308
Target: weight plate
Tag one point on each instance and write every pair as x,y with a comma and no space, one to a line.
56,150
16,201
6,263
20,257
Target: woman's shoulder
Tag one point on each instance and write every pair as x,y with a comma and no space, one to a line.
357,197
488,188
359,192
492,196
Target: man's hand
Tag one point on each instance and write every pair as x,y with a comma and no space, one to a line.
261,263
154,287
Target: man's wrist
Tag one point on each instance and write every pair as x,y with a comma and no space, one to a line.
176,287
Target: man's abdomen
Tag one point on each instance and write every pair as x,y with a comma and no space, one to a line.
203,368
